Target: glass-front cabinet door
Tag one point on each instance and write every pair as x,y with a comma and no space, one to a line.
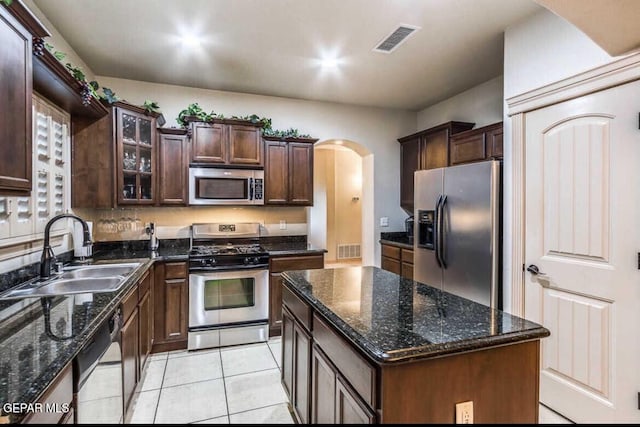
136,157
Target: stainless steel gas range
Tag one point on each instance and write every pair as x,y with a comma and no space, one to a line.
228,285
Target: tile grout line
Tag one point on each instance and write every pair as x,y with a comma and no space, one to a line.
164,372
224,386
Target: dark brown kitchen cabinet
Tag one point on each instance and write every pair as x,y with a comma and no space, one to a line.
349,407
277,265
145,319
427,149
129,348
477,145
397,259
326,380
173,167
296,366
171,305
289,171
114,158
227,142
15,105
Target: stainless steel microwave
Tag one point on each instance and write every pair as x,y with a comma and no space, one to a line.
215,186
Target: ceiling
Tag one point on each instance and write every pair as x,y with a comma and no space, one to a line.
274,47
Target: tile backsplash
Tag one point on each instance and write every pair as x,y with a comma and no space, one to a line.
173,223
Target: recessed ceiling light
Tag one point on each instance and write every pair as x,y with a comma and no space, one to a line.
190,40
339,142
329,62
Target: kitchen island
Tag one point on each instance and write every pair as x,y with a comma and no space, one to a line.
363,345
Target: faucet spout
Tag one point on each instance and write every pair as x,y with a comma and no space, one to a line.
47,252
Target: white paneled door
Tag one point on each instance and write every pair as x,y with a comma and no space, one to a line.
582,233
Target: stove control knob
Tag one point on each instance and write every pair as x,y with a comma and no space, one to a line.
247,261
212,261
203,262
254,260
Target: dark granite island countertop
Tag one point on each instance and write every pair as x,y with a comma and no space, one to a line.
392,319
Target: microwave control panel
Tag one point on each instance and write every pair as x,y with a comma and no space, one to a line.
257,189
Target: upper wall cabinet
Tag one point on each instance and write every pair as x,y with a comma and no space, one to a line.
173,167
476,145
114,158
427,149
15,103
288,171
226,142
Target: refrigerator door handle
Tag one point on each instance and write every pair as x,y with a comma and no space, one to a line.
441,232
436,231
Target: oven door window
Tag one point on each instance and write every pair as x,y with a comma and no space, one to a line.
222,188
229,293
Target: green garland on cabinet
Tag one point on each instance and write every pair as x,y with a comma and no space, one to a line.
267,130
7,2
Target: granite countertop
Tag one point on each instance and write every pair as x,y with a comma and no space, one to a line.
392,319
41,336
34,348
398,238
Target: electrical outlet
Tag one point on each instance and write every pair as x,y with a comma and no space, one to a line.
283,224
464,412
384,221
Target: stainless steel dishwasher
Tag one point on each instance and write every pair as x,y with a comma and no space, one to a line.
98,376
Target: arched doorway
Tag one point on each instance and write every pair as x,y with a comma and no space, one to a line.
341,219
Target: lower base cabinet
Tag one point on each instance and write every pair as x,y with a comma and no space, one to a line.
59,393
333,401
296,368
129,343
171,306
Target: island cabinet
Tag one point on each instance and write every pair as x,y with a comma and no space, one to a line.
477,145
288,171
226,142
173,167
114,158
427,149
136,333
380,349
171,306
278,264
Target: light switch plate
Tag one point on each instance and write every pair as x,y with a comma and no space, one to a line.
384,221
464,412
283,224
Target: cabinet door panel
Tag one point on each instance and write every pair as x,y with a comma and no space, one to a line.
176,306
301,372
287,353
494,143
409,163
245,145
349,407
15,100
300,174
209,143
323,389
390,264
129,357
275,303
146,329
173,170
469,149
435,150
276,173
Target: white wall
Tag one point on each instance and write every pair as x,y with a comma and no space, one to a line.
376,129
539,50
481,105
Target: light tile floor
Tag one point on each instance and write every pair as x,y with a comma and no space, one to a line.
237,385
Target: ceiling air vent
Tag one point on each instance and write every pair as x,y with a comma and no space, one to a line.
396,38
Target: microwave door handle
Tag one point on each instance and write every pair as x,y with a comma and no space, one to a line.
250,188
436,240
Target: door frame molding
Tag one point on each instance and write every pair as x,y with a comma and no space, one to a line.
616,73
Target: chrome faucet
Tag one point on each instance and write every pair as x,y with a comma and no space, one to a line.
47,252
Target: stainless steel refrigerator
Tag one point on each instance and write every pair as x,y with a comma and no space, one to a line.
457,230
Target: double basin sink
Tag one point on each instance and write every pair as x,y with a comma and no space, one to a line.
77,280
